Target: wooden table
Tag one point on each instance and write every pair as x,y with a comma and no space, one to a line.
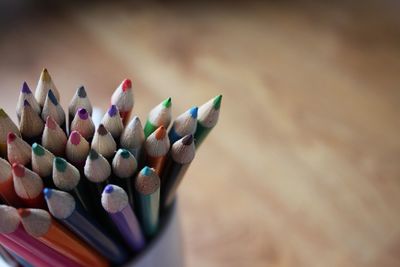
303,168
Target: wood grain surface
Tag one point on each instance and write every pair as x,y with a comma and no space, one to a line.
303,168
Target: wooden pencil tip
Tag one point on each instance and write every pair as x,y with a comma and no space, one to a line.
38,149
47,193
24,212
45,76
75,138
82,92
124,153
146,171
187,140
26,103
93,154
217,102
167,102
25,89
51,123
113,110
18,170
11,137
83,114
126,85
193,112
52,97
109,189
160,133
3,114
102,130
60,164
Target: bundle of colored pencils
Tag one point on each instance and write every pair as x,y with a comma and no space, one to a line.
72,194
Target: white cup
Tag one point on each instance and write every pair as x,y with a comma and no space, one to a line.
166,248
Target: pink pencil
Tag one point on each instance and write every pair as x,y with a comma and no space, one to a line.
35,251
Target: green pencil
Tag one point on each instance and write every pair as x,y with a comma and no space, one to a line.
207,119
158,116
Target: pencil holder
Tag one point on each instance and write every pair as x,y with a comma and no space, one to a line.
166,248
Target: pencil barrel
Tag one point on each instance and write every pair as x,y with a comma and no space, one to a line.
149,128
173,177
201,134
93,234
157,163
148,208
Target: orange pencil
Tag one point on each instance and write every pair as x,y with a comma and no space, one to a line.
157,146
28,186
39,224
7,190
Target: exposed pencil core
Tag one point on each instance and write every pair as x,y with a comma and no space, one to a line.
167,102
82,92
126,85
193,112
160,133
25,89
83,114
217,101
102,130
51,123
113,110
75,138
11,137
60,164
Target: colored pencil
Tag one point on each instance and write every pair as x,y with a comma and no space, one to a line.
147,193
77,149
39,224
26,95
54,138
53,109
158,116
116,202
156,149
182,154
113,122
207,119
34,251
104,143
67,178
184,124
31,124
7,191
28,186
79,100
45,83
6,126
42,164
132,138
18,151
83,124
123,99
64,208
124,167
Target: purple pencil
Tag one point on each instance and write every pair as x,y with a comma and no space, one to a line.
115,201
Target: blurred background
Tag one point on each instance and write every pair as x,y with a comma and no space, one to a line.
303,167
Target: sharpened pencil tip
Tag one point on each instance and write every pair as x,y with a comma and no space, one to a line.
83,114
60,164
217,102
37,149
109,189
26,103
160,133
25,89
52,97
75,138
24,212
167,102
45,76
124,153
187,140
93,154
82,92
146,171
102,130
51,123
18,170
11,137
47,193
126,85
3,114
193,112
112,111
